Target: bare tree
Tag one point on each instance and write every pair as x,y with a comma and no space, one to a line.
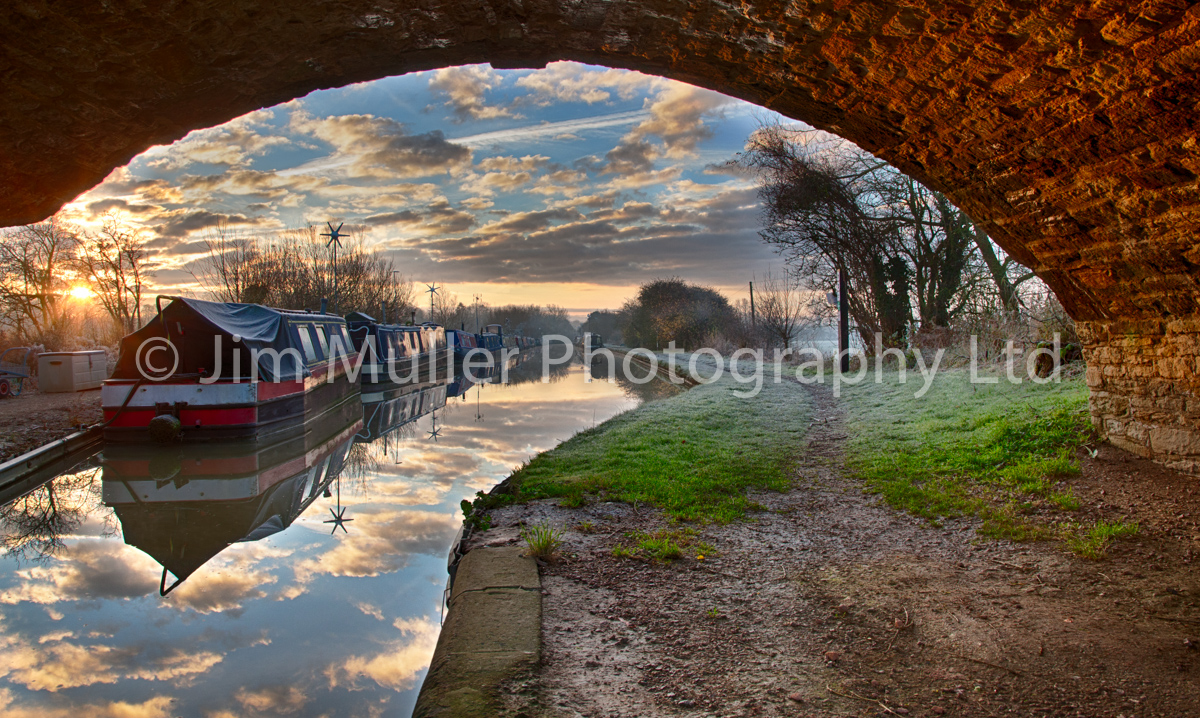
225,270
36,267
449,311
1007,274
780,307
294,270
910,255
114,260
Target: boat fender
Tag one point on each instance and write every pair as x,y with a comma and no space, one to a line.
165,429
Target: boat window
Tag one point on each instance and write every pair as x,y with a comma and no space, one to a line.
339,341
396,344
306,342
321,338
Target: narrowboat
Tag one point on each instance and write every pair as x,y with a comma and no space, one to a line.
461,342
491,338
205,370
184,505
590,341
397,353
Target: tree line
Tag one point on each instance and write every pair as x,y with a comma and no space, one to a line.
520,319
294,269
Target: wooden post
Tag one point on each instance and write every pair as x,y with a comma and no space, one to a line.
753,318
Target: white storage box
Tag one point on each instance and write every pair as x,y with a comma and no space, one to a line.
71,371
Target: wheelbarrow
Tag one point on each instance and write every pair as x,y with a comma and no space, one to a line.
14,370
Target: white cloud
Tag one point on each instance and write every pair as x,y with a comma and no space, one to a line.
397,664
550,129
231,144
575,82
369,146
156,707
492,182
464,89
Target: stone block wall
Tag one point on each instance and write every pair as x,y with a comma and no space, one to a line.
1144,378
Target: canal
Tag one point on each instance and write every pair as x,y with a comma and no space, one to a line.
273,605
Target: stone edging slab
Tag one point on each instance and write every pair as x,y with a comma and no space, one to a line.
493,630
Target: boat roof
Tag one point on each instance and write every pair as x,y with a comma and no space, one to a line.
191,325
359,318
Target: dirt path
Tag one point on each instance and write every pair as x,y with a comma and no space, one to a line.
33,418
830,604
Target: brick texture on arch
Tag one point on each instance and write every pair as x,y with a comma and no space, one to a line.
1068,129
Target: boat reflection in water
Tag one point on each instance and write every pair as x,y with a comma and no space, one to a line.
388,411
184,504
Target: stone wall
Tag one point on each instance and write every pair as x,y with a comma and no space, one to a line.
1144,378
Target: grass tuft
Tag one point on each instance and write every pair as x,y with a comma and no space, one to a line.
1093,542
542,540
663,545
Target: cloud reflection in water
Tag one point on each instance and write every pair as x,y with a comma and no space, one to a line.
297,622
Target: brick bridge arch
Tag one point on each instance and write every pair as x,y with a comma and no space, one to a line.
1068,129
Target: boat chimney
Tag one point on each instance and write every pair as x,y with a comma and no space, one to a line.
383,311
324,304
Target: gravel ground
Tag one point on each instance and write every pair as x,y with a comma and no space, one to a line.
33,419
829,603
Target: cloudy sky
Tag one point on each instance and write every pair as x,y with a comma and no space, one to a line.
567,185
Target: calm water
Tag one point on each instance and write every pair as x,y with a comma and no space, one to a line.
273,615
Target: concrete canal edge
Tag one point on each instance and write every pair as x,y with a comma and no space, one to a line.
492,632
26,471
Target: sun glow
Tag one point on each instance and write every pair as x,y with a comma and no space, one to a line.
81,292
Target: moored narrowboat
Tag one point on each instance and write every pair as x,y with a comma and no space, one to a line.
494,339
205,370
491,338
461,342
397,353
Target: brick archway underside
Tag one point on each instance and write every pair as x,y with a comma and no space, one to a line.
1068,129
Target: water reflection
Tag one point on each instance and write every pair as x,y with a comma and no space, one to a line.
183,505
265,612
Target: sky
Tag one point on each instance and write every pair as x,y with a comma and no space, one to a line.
568,185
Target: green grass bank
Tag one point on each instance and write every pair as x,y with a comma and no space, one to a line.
693,455
1001,453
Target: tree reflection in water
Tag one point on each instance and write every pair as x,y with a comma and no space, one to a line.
32,527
